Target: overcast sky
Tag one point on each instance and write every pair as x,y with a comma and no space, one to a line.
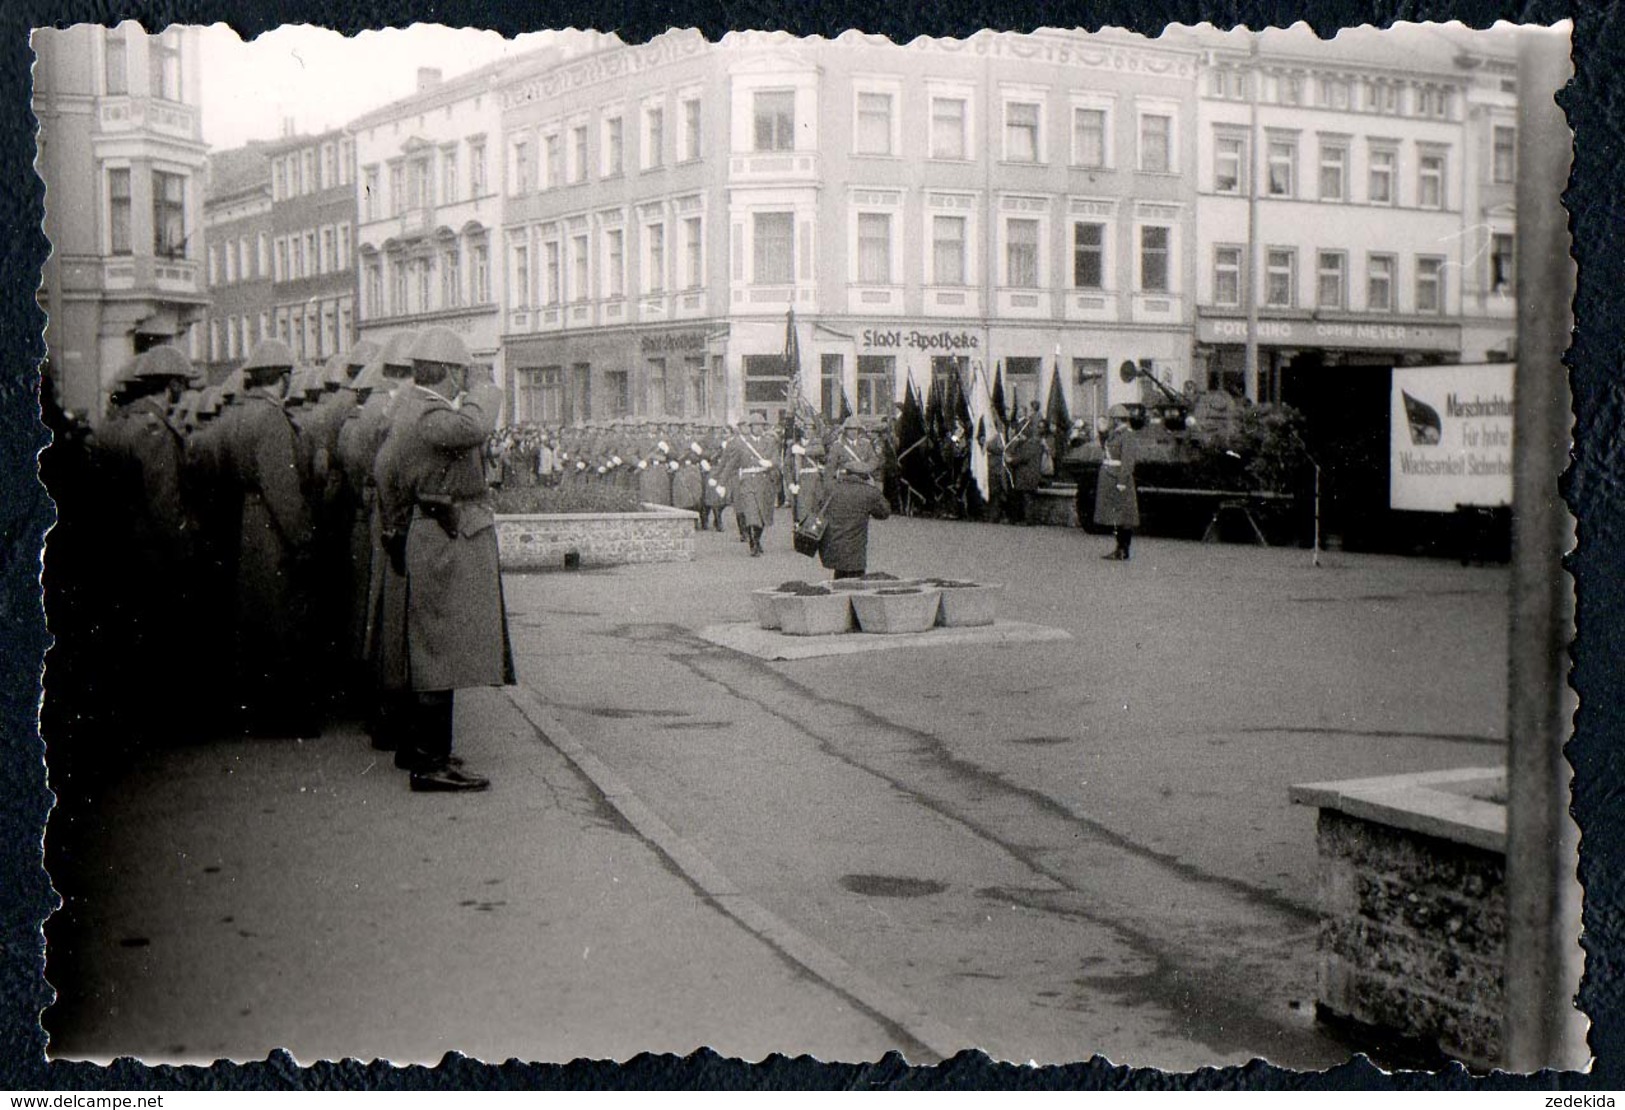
322,79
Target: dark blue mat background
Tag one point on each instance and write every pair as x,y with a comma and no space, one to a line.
1595,487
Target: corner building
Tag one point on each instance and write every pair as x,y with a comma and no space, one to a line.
121,152
1009,200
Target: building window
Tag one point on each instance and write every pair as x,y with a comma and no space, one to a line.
578,268
614,146
168,215
397,189
691,130
245,259
553,157
693,254
448,174
521,276
1088,256
346,160
874,123
876,373
279,180
344,256
775,119
476,169
1334,93
329,338
655,276
774,248
346,333
1021,254
1229,155
522,183
1379,283
1156,143
308,269
307,171
369,192
1429,284
654,137
1154,259
118,209
451,278
1021,131
479,272
1021,376
1089,137
329,255
1430,181
1283,162
1330,272
397,288
330,167
1227,277
262,256
948,116
1381,96
1334,159
1504,158
164,62
214,340
424,268
874,248
279,261
374,304
1501,264
116,64
231,263
1433,101
551,292
614,263
578,153
233,337
1280,278
948,250
1381,188
214,265
766,380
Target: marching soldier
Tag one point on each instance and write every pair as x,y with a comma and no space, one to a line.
259,448
807,479
852,445
439,530
749,464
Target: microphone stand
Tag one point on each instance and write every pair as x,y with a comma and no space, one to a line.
1314,556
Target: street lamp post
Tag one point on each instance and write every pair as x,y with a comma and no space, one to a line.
1249,372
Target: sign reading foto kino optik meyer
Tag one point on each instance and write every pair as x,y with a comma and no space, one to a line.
1450,437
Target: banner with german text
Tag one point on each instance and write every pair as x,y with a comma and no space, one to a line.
1450,437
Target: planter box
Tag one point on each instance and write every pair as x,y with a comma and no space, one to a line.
767,616
852,585
540,541
889,613
813,614
969,606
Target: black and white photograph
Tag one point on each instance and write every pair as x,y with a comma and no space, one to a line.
1045,543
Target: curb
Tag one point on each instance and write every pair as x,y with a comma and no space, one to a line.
906,1015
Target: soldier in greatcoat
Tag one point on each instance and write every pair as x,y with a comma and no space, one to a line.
688,488
1117,503
439,526
853,501
807,487
260,456
749,470
1023,457
851,445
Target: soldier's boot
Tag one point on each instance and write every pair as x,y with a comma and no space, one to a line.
755,542
435,769
744,535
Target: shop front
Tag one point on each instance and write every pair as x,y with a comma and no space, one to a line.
663,373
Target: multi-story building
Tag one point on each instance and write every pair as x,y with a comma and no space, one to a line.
1014,201
1378,172
428,198
122,155
311,245
237,216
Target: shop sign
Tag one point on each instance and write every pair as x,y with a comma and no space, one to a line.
943,341
662,341
1358,334
1450,437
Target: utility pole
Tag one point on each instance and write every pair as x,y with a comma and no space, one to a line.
1543,955
1255,78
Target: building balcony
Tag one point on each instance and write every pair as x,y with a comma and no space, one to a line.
1091,305
129,273
773,167
125,114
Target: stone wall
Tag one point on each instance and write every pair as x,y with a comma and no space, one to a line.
541,542
1413,934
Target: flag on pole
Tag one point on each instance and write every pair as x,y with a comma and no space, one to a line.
1055,411
1000,410
792,360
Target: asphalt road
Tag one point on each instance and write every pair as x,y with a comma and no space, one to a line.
1044,850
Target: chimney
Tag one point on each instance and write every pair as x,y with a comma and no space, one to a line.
428,78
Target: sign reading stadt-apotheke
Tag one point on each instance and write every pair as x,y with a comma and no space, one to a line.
1354,334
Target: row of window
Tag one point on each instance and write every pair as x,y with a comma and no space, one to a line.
675,388
316,330
1380,95
312,169
557,268
163,64
311,253
1281,176
414,183
1332,280
557,154
429,281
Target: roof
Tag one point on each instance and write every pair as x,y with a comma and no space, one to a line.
1415,48
238,170
452,89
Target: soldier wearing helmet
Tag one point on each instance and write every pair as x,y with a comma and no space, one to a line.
438,527
1117,503
750,469
260,467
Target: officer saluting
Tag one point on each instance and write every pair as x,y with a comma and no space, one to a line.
431,483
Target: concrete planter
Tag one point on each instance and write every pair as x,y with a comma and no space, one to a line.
969,606
541,541
767,616
885,612
813,614
1413,906
852,585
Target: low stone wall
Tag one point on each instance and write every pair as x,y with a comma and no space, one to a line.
542,541
1056,505
1412,892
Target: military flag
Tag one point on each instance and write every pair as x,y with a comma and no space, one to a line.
996,398
1055,411
913,461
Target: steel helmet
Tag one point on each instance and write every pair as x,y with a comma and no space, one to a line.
359,355
335,373
1120,412
371,377
397,351
439,344
210,402
232,386
270,354
163,361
